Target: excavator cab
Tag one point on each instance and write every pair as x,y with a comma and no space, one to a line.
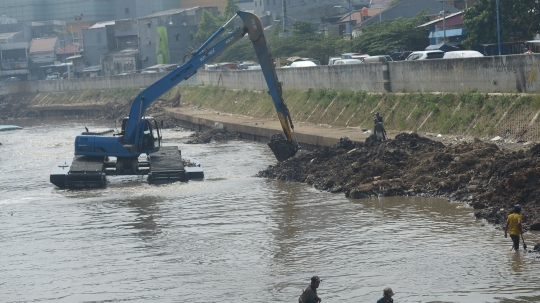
151,135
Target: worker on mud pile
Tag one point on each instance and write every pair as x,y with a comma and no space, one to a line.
379,118
387,296
310,293
379,131
513,226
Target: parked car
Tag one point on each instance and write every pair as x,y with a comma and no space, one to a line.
347,61
424,55
11,79
52,77
462,54
252,67
302,64
353,55
332,60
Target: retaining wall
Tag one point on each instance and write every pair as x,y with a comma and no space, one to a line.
499,74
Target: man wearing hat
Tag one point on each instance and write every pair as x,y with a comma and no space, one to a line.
310,293
513,226
387,296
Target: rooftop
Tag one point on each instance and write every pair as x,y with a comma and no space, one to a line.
70,48
101,24
42,44
173,11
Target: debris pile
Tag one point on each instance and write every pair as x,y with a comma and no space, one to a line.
216,134
488,178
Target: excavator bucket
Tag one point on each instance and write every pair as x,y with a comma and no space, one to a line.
283,148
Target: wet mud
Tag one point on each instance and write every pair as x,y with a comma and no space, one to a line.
282,148
215,134
488,178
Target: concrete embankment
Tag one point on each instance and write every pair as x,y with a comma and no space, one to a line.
511,117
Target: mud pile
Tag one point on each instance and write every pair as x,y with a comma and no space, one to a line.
215,134
490,179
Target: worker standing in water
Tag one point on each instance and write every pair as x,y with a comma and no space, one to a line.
310,293
513,226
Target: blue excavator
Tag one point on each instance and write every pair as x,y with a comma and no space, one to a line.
137,150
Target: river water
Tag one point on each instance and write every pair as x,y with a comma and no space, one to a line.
233,237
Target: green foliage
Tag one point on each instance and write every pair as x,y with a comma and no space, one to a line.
208,26
518,19
230,10
303,29
377,39
388,35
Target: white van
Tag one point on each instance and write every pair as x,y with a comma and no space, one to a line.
462,54
347,61
424,55
252,67
332,60
303,64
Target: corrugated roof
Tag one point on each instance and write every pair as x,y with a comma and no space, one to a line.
170,12
408,9
101,24
440,19
7,35
42,45
71,48
74,57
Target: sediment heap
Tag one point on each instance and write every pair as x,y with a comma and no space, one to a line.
489,178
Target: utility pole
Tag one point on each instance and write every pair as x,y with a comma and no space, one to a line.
498,29
350,25
284,12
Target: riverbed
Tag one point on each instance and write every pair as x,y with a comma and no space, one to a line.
233,237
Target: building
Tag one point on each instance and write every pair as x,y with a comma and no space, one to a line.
98,40
42,53
14,58
77,65
220,4
164,37
409,9
67,49
451,27
379,3
27,11
301,10
133,9
120,61
16,32
47,28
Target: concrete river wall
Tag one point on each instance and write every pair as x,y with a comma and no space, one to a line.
499,74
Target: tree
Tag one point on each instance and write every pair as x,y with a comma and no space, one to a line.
205,29
230,10
518,19
303,29
386,36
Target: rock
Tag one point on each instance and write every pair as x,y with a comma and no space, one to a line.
535,226
478,205
537,247
496,139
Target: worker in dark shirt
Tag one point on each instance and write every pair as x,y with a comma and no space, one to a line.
387,296
310,293
379,118
379,131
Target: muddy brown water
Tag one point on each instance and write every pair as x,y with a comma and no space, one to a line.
234,237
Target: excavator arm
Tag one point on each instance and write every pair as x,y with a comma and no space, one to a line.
130,144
